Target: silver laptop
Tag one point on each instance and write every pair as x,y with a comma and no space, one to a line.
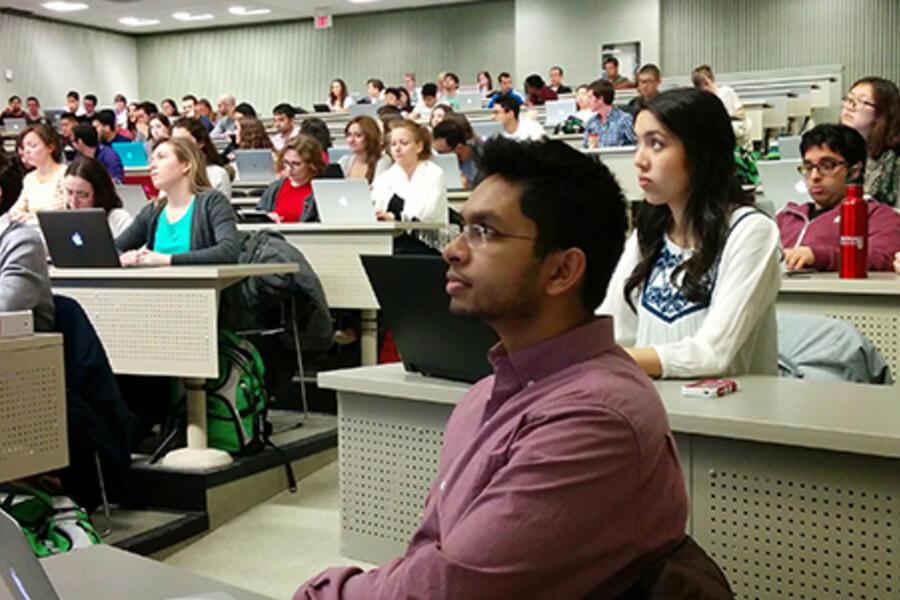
14,125
469,100
781,183
335,153
557,111
20,570
255,166
789,146
450,164
133,198
344,201
486,129
364,110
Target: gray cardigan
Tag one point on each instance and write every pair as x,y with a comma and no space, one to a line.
24,283
214,238
267,202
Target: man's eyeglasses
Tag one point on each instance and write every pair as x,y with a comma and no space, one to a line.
826,166
854,103
478,236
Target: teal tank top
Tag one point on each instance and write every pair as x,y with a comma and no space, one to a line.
174,238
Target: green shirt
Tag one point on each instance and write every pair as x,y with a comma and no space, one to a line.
174,238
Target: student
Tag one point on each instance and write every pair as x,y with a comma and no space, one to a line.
226,123
872,107
339,99
160,128
609,126
169,108
42,188
67,123
558,473
245,109
504,81
216,172
90,106
14,110
648,80
290,199
450,85
120,109
392,97
33,114
811,232
318,129
694,292
250,134
422,110
204,110
142,121
87,144
283,118
88,185
409,84
450,137
191,224
702,77
537,93
374,91
556,84
24,283
612,75
485,83
583,103
190,110
412,189
73,99
366,160
405,102
438,113
506,112
104,122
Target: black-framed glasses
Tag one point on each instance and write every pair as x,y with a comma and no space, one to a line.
477,235
826,166
854,102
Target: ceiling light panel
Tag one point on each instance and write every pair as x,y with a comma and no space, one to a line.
65,6
138,22
186,16
242,11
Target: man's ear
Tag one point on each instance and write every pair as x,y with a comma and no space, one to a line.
567,270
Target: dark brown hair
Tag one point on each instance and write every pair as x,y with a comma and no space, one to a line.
47,135
95,173
885,131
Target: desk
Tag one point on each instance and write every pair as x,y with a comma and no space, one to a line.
755,110
162,321
456,198
33,434
333,251
620,160
872,305
792,483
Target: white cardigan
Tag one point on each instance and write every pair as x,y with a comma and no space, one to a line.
734,333
424,194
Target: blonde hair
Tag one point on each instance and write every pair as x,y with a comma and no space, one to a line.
186,151
420,133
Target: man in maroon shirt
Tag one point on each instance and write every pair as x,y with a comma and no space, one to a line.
537,93
558,477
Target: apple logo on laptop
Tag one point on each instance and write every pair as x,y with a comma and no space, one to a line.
77,240
343,201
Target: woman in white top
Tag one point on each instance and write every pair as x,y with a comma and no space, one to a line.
338,98
42,188
219,173
413,188
88,185
693,294
366,160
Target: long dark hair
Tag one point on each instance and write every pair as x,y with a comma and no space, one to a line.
95,173
198,131
699,120
332,98
885,131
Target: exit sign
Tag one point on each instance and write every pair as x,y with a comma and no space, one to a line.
323,21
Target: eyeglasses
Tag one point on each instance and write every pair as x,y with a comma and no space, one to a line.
854,103
826,166
292,164
478,236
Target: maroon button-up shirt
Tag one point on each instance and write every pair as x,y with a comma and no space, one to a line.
556,473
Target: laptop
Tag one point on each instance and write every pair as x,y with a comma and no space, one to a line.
789,146
133,154
431,340
321,108
335,153
20,571
344,201
14,125
79,238
364,110
486,129
133,198
781,183
469,100
450,164
255,166
557,111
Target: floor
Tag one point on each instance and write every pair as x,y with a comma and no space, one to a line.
277,545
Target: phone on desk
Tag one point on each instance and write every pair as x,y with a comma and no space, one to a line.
709,387
252,215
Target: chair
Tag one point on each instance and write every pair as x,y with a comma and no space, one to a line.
686,573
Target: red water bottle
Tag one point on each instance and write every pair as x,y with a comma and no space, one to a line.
854,234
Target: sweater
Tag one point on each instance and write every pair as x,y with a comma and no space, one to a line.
24,283
40,195
733,333
822,234
214,238
270,196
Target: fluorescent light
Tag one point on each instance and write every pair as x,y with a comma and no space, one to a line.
137,21
60,6
248,12
363,1
186,16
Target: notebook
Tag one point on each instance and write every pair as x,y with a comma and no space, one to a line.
450,164
469,100
79,238
14,125
431,340
20,571
133,154
486,129
255,166
557,111
781,183
344,201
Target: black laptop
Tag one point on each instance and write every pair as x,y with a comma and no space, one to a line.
79,238
431,340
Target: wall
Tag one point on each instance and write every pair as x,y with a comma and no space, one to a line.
570,33
268,64
48,59
745,35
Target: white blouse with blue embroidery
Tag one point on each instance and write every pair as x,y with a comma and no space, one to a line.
731,334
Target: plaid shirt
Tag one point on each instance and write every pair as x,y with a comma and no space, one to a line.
617,131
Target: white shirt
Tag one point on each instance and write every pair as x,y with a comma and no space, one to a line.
219,179
584,115
729,98
347,103
119,220
279,140
346,163
424,194
528,130
423,110
735,333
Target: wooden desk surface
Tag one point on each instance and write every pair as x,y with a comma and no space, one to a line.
878,283
850,417
319,228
